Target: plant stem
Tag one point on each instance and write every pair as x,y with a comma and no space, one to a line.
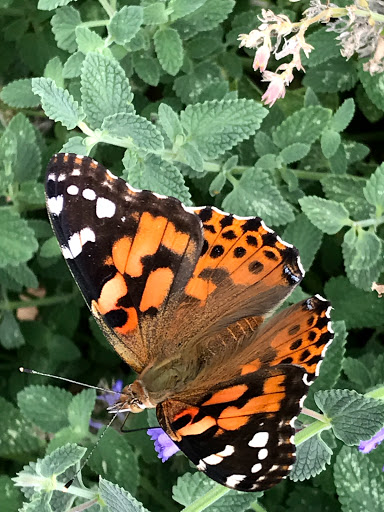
210,497
310,431
369,222
96,23
257,507
310,175
43,301
376,393
107,7
84,506
313,414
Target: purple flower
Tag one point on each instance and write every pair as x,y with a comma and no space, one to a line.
164,445
371,444
110,398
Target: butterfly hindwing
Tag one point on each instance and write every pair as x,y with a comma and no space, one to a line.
128,250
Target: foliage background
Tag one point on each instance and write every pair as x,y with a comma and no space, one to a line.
160,93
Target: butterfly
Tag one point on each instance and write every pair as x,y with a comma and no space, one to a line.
183,295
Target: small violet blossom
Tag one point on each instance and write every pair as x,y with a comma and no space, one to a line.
164,445
110,399
371,444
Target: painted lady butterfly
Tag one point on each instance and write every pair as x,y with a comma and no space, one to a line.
182,295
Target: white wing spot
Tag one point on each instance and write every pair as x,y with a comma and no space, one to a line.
212,460
263,453
259,440
234,480
76,243
89,194
62,177
105,208
256,468
51,177
55,204
228,450
201,465
73,190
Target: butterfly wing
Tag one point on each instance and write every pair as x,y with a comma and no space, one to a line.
129,250
240,432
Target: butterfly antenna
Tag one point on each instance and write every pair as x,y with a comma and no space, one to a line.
85,462
34,372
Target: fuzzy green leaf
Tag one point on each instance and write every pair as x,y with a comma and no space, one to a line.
256,194
155,14
368,108
64,24
359,482
80,410
169,50
114,459
343,116
189,154
76,145
326,215
159,176
18,276
373,86
208,16
264,145
354,417
330,141
10,334
140,132
57,103
362,309
338,161
325,47
39,404
88,40
73,65
217,184
294,152
304,125
54,70
307,238
148,69
27,162
10,496
18,239
125,23
49,5
374,189
19,94
170,122
349,191
217,126
335,75
357,373
312,457
118,499
105,89
59,460
181,8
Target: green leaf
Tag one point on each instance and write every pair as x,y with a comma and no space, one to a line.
312,457
304,498
125,23
39,503
140,132
209,15
18,239
169,50
374,189
294,152
368,108
325,47
181,8
343,116
192,486
59,460
80,410
64,24
105,89
189,154
217,184
217,126
357,373
332,364
76,145
330,141
335,75
72,66
114,459
338,161
49,5
148,69
310,98
155,14
349,191
18,277
264,145
54,70
359,482
326,215
307,238
88,40
354,417
16,433
10,496
170,122
304,125
10,334
373,86
19,94
256,194
39,404
118,499
159,176
27,162
57,103
189,87
362,309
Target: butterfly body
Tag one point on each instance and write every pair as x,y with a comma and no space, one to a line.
184,296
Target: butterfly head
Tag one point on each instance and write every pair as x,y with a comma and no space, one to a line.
133,398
